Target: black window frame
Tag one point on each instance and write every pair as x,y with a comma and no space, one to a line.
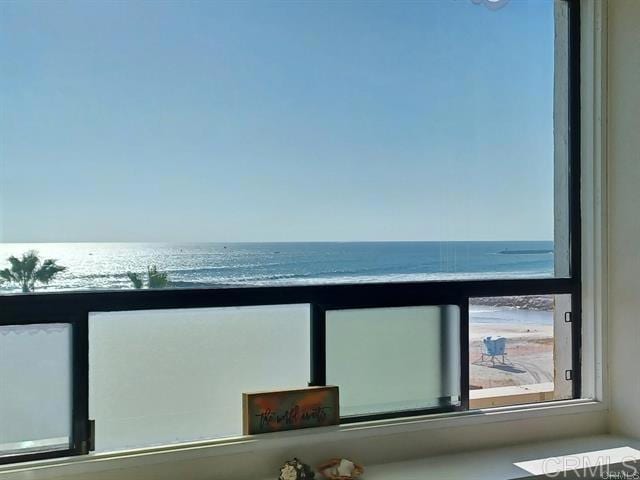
74,307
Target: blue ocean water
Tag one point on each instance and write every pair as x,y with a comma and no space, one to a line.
104,265
488,314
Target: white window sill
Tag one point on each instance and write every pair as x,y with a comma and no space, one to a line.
88,464
555,459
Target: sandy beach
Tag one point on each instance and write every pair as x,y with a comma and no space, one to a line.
529,354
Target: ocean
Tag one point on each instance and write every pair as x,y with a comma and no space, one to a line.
101,266
128,346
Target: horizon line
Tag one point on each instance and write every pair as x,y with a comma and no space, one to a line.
267,241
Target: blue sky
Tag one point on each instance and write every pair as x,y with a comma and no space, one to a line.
275,121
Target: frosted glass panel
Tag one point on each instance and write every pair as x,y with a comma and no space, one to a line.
35,387
168,376
389,359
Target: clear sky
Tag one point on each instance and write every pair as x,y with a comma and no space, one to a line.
275,121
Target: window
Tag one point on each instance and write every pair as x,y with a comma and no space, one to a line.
196,364
182,184
394,359
36,389
520,349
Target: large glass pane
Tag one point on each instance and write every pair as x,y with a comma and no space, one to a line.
35,387
168,376
390,359
283,142
519,349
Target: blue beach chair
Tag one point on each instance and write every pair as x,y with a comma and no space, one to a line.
495,349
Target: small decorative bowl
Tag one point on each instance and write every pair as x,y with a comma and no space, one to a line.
329,470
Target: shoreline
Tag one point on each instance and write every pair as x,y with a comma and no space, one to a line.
542,303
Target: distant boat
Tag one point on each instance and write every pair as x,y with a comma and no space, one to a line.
525,252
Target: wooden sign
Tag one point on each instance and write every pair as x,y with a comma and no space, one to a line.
276,411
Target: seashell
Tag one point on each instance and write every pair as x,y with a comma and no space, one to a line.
340,469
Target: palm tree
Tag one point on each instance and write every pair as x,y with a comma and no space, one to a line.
155,278
135,280
29,270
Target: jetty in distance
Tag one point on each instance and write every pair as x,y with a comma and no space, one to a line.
525,252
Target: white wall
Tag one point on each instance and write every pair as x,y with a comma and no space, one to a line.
624,214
